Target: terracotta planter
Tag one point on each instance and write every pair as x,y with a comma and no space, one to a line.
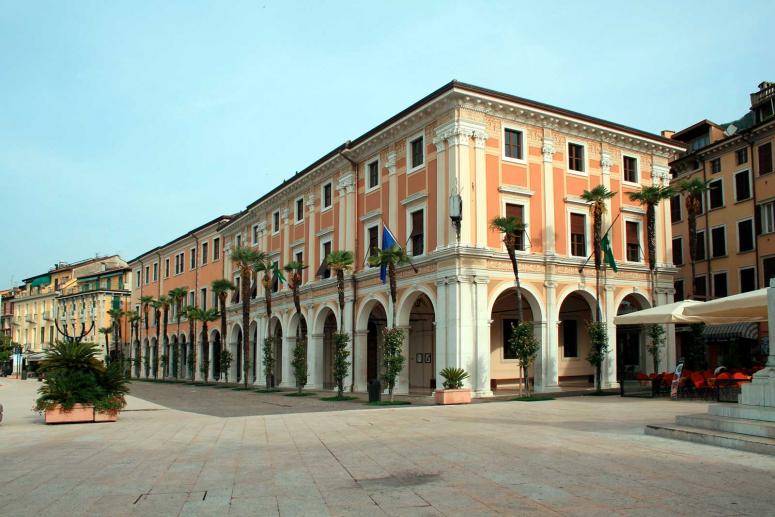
105,416
461,396
79,413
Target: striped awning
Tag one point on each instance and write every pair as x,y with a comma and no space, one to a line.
731,331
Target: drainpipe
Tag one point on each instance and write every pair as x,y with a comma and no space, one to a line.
355,253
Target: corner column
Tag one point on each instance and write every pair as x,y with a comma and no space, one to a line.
441,192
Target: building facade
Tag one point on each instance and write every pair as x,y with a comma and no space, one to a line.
503,155
7,297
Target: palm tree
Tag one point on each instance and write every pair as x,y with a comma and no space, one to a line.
513,230
294,270
650,196
262,264
693,191
341,262
105,331
596,199
221,289
146,301
245,259
164,303
115,316
176,297
192,314
390,258
206,316
156,304
133,318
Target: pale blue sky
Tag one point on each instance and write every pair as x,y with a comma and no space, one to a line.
124,124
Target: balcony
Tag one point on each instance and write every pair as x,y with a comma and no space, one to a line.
766,90
47,315
31,318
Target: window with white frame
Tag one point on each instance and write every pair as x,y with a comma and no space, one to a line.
192,258
513,144
276,222
578,234
205,254
700,249
216,248
166,267
675,208
191,299
745,235
576,158
517,211
716,194
630,169
372,175
741,156
632,241
718,241
720,284
203,298
255,234
155,271
137,278
416,152
747,279
325,250
326,196
767,217
238,240
372,240
299,209
678,251
417,235
742,185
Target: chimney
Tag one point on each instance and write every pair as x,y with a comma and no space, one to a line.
666,133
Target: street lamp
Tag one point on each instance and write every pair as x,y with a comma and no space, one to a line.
456,212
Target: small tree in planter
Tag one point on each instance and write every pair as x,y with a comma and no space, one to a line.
392,359
204,369
453,392
299,363
656,334
147,364
226,359
525,347
341,362
598,351
268,361
164,362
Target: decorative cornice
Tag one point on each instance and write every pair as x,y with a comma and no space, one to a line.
391,163
417,196
515,189
575,200
325,231
346,184
371,215
633,210
547,149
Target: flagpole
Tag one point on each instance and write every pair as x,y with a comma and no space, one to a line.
581,268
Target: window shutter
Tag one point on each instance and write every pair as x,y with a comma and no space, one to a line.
632,233
757,217
577,223
765,158
417,224
516,211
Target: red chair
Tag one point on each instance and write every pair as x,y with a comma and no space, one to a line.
700,384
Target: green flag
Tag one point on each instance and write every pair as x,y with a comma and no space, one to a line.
277,273
605,244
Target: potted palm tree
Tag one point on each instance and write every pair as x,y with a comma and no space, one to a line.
341,261
453,392
164,306
693,190
221,288
650,196
156,304
176,297
206,316
192,314
244,260
299,362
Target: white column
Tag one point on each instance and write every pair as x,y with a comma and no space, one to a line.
480,188
481,358
348,329
441,193
609,366
361,363
547,182
315,360
392,192
402,382
260,336
761,390
288,342
440,352
458,147
311,241
550,344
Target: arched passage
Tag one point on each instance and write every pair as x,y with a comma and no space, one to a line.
137,360
175,359
276,331
630,339
184,370
505,371
215,361
416,313
371,321
154,357
297,329
576,311
254,344
235,371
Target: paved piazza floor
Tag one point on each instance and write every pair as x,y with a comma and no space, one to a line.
570,456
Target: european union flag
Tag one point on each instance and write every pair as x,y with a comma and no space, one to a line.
388,241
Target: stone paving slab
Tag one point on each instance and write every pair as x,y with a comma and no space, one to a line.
570,456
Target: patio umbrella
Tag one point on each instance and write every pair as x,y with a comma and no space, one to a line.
739,308
669,313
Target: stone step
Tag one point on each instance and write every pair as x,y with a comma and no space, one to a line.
728,424
736,441
743,411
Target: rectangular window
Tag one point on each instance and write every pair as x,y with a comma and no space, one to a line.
203,298
715,194
327,195
715,165
166,267
630,169
237,290
192,256
769,270
718,239
205,255
155,271
275,278
576,157
570,338
418,233
324,269
216,248
508,352
578,235
512,144
275,222
765,158
300,209
747,279
741,156
518,213
373,248
719,285
238,240
182,261
137,278
700,287
675,208
255,234
742,186
700,249
416,150
766,221
191,299
679,290
678,251
632,233
373,174
745,236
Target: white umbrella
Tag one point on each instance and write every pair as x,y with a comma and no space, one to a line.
669,313
744,307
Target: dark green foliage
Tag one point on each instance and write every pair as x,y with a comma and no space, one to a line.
337,398
694,354
226,359
656,334
299,363
268,360
392,359
525,346
389,403
453,378
341,362
300,394
598,350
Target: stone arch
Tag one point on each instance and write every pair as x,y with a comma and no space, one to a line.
407,300
416,311
587,293
321,315
216,346
184,356
277,333
631,354
366,306
528,293
368,338
575,309
639,298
